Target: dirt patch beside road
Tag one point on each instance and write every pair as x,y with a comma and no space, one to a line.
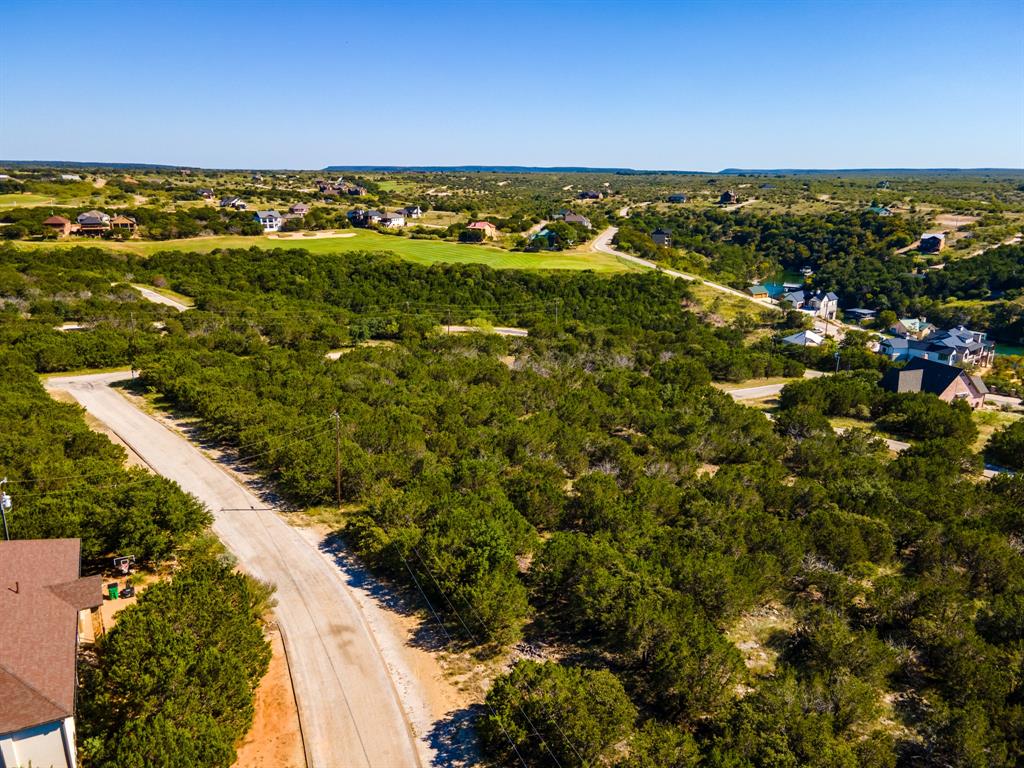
275,740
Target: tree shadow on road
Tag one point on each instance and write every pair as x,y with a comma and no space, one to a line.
428,635
454,738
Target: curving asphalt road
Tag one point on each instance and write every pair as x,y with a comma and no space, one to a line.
349,709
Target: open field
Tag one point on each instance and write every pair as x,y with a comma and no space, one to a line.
17,200
419,251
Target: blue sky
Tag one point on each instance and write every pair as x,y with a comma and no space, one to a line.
683,85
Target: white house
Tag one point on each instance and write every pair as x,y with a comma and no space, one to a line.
411,211
43,602
271,220
392,220
804,339
816,303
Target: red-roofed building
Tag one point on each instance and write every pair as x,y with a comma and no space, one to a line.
42,602
490,231
59,224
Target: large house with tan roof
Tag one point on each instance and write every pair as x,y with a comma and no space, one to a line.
42,602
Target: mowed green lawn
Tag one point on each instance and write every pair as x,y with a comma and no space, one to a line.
23,200
420,251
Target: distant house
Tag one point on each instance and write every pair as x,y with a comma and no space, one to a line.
758,291
234,201
946,381
357,217
576,218
680,198
411,211
823,304
880,210
271,221
44,603
804,339
590,194
59,224
490,231
544,239
373,216
70,177
392,220
356,191
299,209
93,222
727,198
958,346
860,315
932,242
662,236
206,194
123,223
912,328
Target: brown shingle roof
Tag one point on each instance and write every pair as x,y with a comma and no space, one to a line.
40,596
56,220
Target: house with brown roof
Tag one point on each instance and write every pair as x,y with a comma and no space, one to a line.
299,209
58,224
43,601
728,198
123,223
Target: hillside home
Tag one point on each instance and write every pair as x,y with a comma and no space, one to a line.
576,218
205,194
70,177
590,194
662,236
58,224
817,303
912,328
758,291
677,198
271,221
880,210
932,242
43,602
123,223
727,198
232,202
411,211
392,220
804,339
356,191
859,315
299,209
93,222
958,346
544,239
490,231
372,216
946,381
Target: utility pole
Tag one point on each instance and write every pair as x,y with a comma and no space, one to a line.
337,456
5,505
131,345
449,322
557,302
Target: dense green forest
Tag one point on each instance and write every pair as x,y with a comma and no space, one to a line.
68,481
584,489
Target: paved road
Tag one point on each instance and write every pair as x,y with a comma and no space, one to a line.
767,390
158,298
603,244
500,330
348,705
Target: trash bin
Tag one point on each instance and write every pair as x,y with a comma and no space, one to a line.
112,591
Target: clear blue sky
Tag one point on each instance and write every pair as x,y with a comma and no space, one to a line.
643,84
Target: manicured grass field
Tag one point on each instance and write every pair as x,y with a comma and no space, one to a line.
419,251
23,200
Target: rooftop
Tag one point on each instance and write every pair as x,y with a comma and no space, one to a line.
40,596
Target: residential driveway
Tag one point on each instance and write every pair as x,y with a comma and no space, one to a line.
349,709
767,390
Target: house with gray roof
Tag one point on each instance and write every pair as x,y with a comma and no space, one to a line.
947,382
